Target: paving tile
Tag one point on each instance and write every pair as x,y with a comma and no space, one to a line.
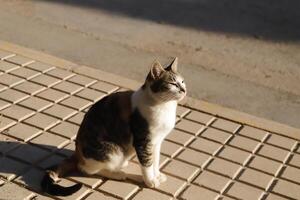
41,67
45,80
256,178
7,67
10,168
253,133
266,165
50,141
51,161
67,150
36,103
104,87
88,180
66,129
235,155
25,73
4,54
19,60
180,137
10,191
91,94
205,145
60,111
7,143
53,95
42,121
77,119
31,179
273,152
281,141
98,196
190,126
29,88
60,73
226,125
224,167
77,195
120,189
216,135
6,122
200,117
133,172
243,191
212,181
295,160
181,169
13,96
148,194
182,111
173,186
275,197
76,103
194,157
4,104
23,151
244,143
17,112
82,80
23,131
198,193
287,188
10,80
3,87
68,87
170,148
292,173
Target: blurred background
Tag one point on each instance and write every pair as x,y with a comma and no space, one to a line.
242,54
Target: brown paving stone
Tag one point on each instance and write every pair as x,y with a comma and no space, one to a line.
36,103
273,152
53,95
256,178
120,189
182,111
23,151
4,104
292,173
6,122
205,145
19,60
60,111
198,193
82,80
91,94
76,103
133,172
243,191
170,148
7,143
11,191
148,194
104,87
4,54
31,178
235,155
200,117
7,67
77,119
25,73
173,186
23,131
180,137
181,169
60,73
50,141
189,126
216,135
244,143
66,129
3,87
10,80
68,87
281,141
224,167
13,96
68,150
295,160
51,161
10,168
41,67
275,197
266,165
212,181
100,196
287,188
45,80
29,88
194,157
226,125
17,112
77,195
88,180
42,121
253,133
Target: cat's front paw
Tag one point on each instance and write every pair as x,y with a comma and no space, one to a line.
161,177
153,183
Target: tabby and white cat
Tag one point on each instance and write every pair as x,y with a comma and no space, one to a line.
123,124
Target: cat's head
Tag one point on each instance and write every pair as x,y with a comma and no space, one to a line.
165,84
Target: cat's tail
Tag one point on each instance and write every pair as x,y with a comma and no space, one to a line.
49,184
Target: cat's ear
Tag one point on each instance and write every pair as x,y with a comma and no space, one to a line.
156,70
173,65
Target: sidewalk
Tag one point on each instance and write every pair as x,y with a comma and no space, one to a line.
213,153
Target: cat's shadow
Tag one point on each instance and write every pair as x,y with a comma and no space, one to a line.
19,169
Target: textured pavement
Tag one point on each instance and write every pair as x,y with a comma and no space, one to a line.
213,153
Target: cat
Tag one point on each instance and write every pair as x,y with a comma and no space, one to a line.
123,124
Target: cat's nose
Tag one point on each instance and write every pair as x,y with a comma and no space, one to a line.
182,89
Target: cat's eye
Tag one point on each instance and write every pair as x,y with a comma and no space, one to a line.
182,81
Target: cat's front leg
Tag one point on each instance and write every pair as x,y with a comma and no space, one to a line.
160,176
